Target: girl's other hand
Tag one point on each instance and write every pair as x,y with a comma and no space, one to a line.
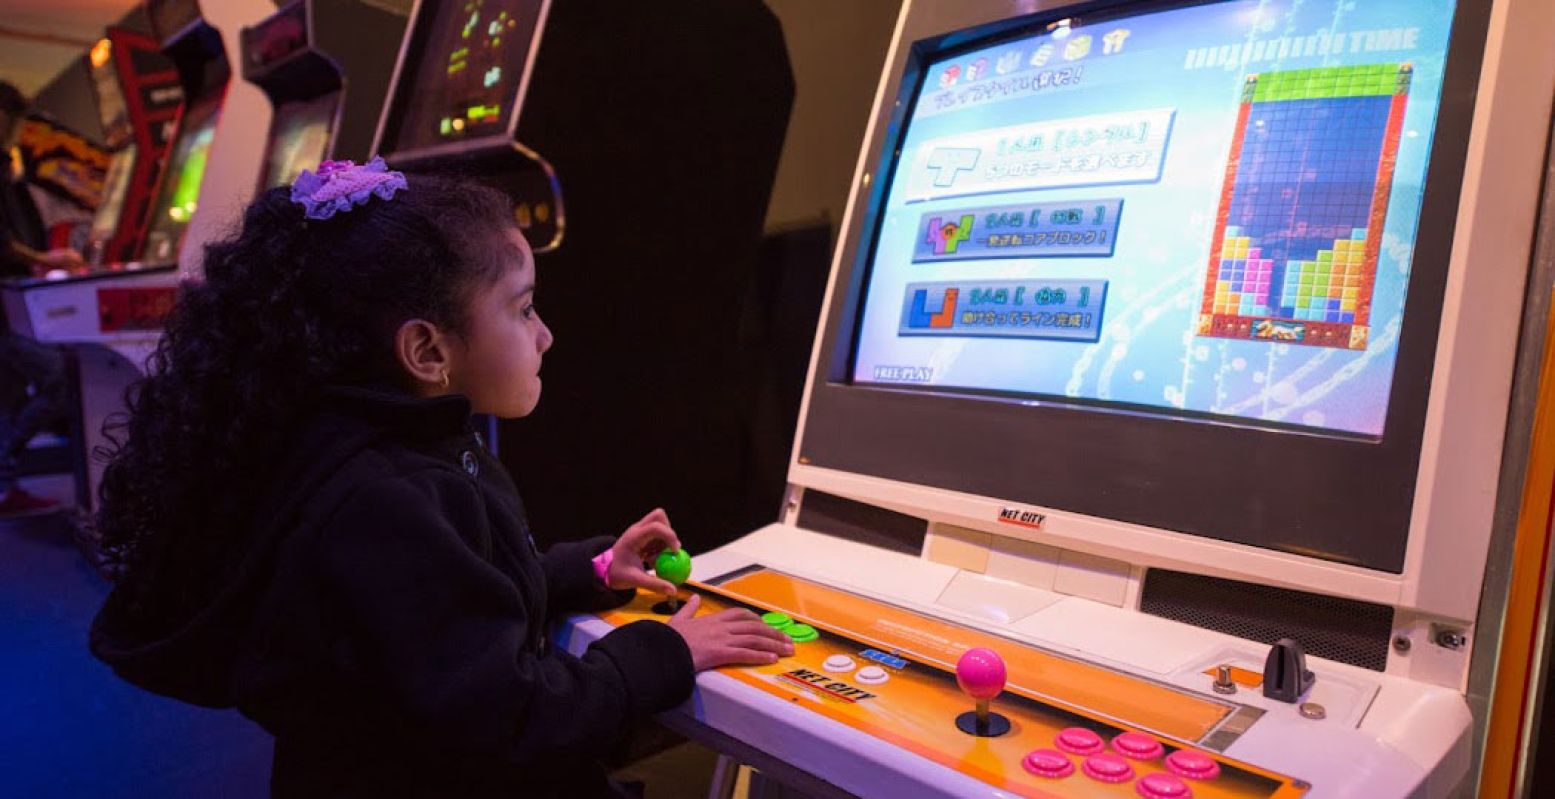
638,547
733,637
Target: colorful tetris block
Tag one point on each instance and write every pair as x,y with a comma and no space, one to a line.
1303,204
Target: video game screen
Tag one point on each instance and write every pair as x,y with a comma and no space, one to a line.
1209,210
179,194
298,138
461,74
105,222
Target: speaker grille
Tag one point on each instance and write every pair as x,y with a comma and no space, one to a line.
866,524
1345,630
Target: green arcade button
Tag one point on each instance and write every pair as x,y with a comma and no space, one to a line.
801,633
776,619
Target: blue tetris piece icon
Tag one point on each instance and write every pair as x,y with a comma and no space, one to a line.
921,317
949,162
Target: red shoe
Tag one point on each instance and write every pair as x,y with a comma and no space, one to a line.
17,504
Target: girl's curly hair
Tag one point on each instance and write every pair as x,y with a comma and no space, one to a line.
286,308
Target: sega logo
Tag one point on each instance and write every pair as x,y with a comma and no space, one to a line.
884,659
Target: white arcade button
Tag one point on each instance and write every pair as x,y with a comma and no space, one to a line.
839,663
872,675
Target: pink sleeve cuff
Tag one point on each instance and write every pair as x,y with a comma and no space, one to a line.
602,566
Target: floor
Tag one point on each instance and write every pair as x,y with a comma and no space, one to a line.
69,728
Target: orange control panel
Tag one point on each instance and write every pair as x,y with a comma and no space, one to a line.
1074,728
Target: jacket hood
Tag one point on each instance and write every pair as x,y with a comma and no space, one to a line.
192,658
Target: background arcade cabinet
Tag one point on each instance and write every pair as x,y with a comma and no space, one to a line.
662,124
111,317
204,71
325,67
139,97
1169,353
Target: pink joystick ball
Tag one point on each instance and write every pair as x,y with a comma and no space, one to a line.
980,673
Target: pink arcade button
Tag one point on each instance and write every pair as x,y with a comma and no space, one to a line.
1193,765
1161,785
1079,741
1048,763
1137,746
1107,768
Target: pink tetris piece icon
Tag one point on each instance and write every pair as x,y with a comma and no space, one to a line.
1193,765
1107,768
1079,741
1161,785
980,673
1137,746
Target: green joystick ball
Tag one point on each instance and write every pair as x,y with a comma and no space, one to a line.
673,565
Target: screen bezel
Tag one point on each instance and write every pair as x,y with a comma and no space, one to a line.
1341,499
402,93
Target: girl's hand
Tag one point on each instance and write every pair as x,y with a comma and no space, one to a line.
733,637
636,548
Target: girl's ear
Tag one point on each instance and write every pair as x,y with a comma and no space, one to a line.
426,354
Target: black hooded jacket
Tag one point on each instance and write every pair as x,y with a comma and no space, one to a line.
388,623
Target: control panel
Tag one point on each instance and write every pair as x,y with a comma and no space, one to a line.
1015,717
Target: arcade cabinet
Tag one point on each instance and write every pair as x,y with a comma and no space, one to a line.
138,99
457,95
203,69
662,124
1167,357
301,57
111,317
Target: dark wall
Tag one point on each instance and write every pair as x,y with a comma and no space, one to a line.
699,224
664,122
838,51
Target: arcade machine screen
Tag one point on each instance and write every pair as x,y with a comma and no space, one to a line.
106,220
301,136
464,67
180,189
1209,211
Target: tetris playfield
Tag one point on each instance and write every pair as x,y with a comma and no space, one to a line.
1294,254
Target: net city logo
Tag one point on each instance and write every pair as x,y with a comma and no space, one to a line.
1022,517
949,162
940,318
946,237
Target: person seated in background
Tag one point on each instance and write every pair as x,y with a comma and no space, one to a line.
32,375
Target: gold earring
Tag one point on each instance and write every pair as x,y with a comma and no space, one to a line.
445,380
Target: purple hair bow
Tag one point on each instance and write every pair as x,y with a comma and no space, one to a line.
342,185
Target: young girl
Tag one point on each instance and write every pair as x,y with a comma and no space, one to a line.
310,530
